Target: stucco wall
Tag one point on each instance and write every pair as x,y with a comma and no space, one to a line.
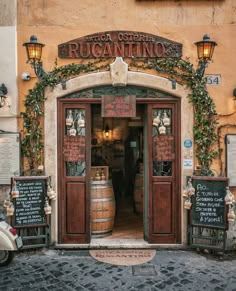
58,21
55,22
8,73
8,64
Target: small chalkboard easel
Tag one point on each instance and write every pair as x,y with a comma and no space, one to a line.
208,223
29,218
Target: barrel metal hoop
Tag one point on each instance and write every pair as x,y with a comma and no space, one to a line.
102,199
102,219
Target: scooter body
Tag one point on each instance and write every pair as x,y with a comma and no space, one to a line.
9,242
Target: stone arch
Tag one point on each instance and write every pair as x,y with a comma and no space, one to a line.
101,79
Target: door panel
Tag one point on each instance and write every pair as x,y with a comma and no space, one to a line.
164,172
162,219
75,195
73,171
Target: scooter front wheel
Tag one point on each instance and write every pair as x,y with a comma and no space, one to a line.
6,257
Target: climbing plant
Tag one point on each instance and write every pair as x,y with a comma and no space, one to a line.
179,70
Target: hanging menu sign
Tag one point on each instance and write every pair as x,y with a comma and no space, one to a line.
29,206
119,106
74,148
208,204
125,44
9,156
163,148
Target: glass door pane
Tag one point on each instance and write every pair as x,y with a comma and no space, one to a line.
74,142
162,142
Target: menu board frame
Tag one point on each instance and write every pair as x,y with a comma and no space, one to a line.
30,203
118,106
209,200
230,141
13,140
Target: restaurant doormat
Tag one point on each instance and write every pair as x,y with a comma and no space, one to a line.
123,257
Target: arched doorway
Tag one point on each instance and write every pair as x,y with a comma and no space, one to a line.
142,159
159,98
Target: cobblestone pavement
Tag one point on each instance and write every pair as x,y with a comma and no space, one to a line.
77,270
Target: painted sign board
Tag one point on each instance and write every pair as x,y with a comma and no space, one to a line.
163,148
9,156
74,148
119,106
125,44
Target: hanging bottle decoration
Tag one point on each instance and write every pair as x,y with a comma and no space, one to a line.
229,197
10,209
231,214
51,193
166,119
69,118
187,203
7,201
187,193
72,131
47,207
156,120
81,122
14,191
162,129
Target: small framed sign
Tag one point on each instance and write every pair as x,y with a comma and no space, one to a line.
213,80
118,106
9,156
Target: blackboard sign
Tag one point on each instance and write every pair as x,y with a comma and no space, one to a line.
29,206
208,204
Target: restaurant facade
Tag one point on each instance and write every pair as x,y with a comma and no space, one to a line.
111,115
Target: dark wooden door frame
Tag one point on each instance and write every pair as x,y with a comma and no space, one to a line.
177,176
167,182
62,104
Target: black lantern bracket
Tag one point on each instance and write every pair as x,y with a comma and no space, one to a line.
205,50
34,54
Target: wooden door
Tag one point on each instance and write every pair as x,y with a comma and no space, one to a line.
164,200
73,172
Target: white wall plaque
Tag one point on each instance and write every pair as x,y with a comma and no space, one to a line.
231,158
188,164
213,80
9,156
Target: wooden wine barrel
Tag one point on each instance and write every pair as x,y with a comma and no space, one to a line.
138,193
102,208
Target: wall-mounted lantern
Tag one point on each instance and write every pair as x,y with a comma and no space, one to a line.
34,54
205,50
107,132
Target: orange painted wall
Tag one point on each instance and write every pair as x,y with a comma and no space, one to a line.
57,21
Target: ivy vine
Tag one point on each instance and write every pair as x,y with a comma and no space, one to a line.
182,71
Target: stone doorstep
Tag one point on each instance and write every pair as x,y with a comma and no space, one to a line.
120,244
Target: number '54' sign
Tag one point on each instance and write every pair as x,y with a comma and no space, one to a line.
214,80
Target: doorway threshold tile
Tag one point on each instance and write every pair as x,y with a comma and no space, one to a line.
118,243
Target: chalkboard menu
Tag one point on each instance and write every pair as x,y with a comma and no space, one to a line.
29,206
208,204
